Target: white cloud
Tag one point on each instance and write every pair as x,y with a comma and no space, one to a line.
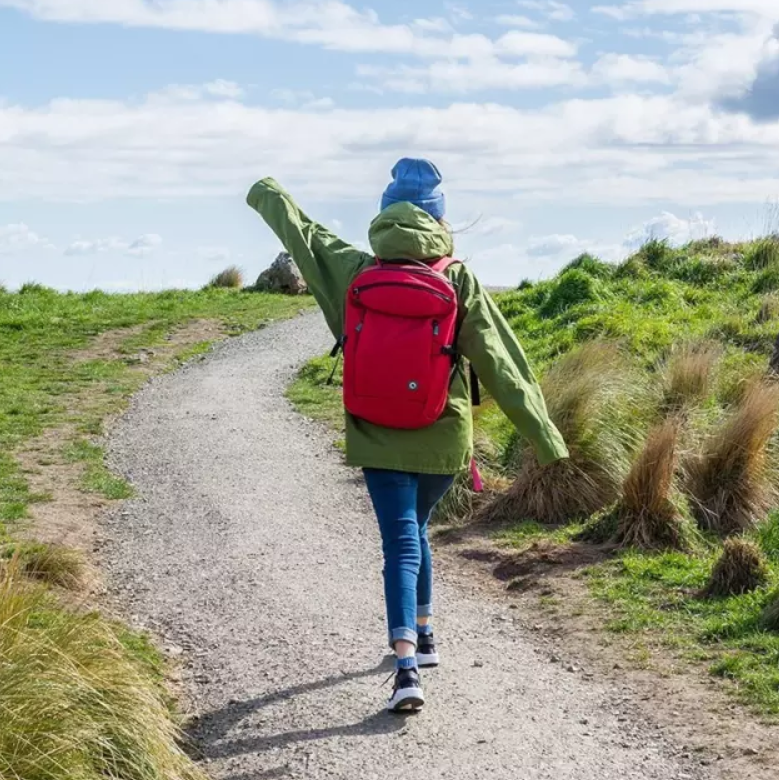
331,24
627,149
561,248
625,68
669,227
219,89
139,247
765,8
553,245
458,12
225,89
515,20
18,237
487,73
435,25
302,99
82,246
556,11
530,44
725,64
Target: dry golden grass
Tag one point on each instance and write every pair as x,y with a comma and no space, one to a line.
231,277
555,494
688,375
462,504
73,702
585,393
732,483
53,565
741,569
648,515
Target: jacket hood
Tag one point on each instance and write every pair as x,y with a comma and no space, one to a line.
405,232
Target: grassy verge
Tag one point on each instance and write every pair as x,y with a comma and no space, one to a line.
81,696
654,599
653,370
73,360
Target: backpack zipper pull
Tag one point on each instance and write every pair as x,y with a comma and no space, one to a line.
436,328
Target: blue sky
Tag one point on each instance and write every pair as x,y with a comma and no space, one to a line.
131,130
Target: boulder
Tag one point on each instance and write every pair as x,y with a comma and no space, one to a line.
283,276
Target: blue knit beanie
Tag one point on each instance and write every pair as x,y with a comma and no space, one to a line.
417,182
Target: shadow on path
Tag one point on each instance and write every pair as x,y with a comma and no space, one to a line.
210,734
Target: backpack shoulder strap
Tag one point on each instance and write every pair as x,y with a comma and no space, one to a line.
444,263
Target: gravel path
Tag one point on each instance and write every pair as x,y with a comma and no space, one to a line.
253,549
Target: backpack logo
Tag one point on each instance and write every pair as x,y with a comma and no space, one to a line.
399,343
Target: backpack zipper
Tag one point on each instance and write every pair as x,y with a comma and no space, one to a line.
357,290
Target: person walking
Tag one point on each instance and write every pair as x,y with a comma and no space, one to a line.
407,318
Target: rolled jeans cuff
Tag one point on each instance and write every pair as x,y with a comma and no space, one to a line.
425,611
403,635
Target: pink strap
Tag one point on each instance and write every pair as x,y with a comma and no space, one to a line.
478,482
442,264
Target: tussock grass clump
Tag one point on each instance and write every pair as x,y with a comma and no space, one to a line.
769,310
769,620
741,569
230,278
648,515
763,254
585,393
50,564
687,375
572,288
33,288
74,703
732,483
592,266
657,254
766,281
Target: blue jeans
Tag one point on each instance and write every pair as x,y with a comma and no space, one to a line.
403,504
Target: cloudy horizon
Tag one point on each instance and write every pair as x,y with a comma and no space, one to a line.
130,131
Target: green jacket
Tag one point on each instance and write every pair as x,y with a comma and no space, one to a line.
403,231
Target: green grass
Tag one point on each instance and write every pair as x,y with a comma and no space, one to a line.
97,478
313,395
41,329
655,598
522,535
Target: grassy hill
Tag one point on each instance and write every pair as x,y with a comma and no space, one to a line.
655,372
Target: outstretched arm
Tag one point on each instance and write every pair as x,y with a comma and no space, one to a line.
327,263
489,343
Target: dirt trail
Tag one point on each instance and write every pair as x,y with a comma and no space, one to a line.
253,549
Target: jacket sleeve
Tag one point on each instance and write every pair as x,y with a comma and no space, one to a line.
327,263
488,342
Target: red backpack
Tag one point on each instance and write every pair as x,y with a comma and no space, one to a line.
399,343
